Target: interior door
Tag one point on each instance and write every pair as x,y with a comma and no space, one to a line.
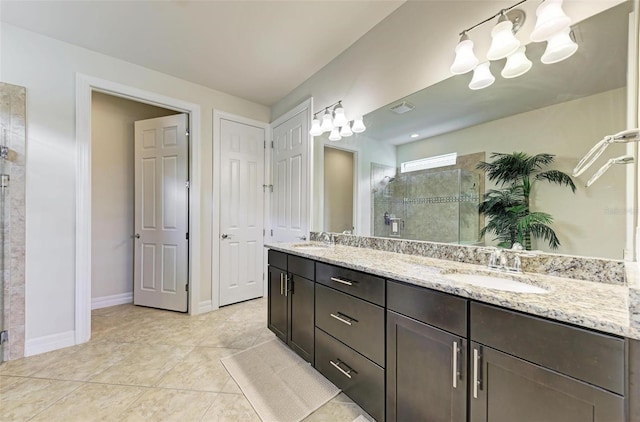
241,212
290,179
161,213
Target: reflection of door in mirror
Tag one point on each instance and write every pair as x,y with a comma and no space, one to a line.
339,166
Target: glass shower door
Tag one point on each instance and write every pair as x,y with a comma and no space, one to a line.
4,186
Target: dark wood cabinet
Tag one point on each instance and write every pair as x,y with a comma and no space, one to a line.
291,302
505,388
426,372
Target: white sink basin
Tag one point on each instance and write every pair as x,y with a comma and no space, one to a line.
496,283
310,246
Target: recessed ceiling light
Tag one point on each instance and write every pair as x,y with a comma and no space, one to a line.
415,135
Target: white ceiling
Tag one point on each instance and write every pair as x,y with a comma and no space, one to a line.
257,50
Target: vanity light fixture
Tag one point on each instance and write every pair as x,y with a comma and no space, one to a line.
334,121
552,25
482,77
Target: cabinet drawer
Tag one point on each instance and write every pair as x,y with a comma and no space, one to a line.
357,323
356,376
301,266
277,259
441,310
591,357
364,286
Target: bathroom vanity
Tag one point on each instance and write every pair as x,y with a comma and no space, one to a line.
406,340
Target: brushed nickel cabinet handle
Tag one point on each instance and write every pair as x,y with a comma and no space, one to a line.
455,364
343,318
341,281
286,285
337,366
476,375
281,284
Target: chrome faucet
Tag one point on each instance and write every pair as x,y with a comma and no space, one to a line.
498,261
326,237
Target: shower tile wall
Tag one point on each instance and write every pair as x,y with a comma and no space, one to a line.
13,120
439,206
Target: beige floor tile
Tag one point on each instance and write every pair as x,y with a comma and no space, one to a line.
232,334
92,402
8,381
201,370
231,387
144,366
231,408
86,362
32,364
160,404
23,400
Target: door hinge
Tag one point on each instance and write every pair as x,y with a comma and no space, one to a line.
187,184
271,232
271,144
265,187
4,335
187,133
187,236
186,287
264,232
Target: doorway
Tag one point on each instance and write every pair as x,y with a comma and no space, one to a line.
113,213
85,86
339,181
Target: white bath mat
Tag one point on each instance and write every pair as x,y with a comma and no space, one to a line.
279,384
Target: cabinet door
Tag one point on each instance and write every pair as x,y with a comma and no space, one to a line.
277,303
301,303
504,388
426,376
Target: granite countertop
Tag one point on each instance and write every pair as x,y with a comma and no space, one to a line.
599,306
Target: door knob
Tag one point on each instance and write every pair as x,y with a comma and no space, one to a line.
226,236
137,235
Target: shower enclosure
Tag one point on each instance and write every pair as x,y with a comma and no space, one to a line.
438,206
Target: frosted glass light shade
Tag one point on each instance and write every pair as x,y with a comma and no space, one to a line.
346,131
334,135
503,41
339,118
358,126
517,64
327,122
315,127
482,77
559,47
551,20
465,60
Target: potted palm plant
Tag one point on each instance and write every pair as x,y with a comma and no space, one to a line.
508,209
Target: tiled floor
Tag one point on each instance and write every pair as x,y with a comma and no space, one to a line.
146,365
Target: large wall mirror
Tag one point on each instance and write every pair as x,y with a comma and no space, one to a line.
561,109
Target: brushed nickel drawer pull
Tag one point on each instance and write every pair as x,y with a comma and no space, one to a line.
476,375
455,364
341,281
343,318
337,366
281,284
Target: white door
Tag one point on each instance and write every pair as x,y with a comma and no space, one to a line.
241,211
161,213
290,197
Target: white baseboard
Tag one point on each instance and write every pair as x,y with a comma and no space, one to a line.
113,300
48,343
205,306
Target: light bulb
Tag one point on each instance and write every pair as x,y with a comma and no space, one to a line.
335,134
315,127
517,64
551,20
465,60
340,119
358,126
346,131
327,122
559,47
482,77
503,41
